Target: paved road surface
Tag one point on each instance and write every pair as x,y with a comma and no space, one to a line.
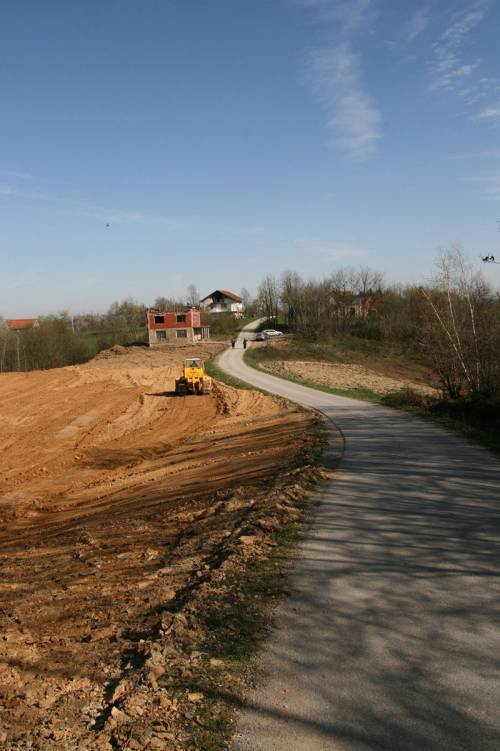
390,639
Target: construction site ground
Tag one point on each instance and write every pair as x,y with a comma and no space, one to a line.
122,509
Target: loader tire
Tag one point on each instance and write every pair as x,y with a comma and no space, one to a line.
180,388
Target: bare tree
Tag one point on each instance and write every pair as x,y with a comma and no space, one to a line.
193,296
463,330
247,301
268,297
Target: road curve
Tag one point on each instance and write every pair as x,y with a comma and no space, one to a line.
390,638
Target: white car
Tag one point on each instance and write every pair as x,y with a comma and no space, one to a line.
272,332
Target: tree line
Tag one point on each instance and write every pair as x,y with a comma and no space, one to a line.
452,323
66,339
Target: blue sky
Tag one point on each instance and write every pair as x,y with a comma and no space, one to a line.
225,139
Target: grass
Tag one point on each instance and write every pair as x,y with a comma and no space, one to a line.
236,620
214,371
476,419
98,340
236,626
345,349
252,358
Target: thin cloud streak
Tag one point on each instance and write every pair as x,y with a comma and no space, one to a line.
339,251
490,184
335,76
352,116
491,154
347,16
415,25
490,113
111,215
449,69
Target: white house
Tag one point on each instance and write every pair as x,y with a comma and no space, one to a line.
222,301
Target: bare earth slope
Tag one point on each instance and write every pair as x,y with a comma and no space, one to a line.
114,496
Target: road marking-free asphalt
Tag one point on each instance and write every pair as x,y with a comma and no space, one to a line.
390,638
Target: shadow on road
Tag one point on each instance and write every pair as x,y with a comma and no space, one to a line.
390,639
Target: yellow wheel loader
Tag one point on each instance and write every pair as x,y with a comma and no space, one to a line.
194,379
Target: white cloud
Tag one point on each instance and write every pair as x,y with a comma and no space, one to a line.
450,71
415,25
335,75
448,68
347,16
490,113
352,116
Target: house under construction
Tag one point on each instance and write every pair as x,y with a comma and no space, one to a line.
169,327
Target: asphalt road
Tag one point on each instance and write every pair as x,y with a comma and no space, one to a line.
390,638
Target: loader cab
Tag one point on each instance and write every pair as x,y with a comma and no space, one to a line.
193,362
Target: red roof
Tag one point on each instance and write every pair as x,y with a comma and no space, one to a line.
21,323
224,292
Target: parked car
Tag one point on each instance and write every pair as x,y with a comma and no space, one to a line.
260,336
272,332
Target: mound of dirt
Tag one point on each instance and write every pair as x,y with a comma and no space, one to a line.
117,500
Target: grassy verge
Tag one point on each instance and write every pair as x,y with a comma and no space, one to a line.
476,419
252,357
214,371
236,626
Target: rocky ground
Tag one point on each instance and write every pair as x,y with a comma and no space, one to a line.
124,511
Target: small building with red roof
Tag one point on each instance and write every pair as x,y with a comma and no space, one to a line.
21,324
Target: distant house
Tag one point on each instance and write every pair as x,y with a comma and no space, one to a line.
222,301
346,303
167,327
21,324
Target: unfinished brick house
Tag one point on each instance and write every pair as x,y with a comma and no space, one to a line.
179,327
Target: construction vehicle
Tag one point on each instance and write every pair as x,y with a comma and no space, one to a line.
194,379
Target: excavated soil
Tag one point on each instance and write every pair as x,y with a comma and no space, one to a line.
118,503
345,376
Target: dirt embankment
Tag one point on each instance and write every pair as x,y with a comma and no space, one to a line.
119,504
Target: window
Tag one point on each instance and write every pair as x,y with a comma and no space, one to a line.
181,333
161,335
159,319
181,318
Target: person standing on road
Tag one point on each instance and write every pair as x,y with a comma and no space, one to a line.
244,343
233,342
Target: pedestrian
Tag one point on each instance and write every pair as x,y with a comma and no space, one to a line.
233,342
244,343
